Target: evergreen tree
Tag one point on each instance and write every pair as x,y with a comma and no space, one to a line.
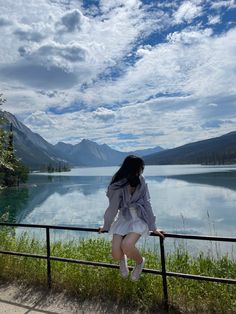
3,163
12,171
10,155
2,99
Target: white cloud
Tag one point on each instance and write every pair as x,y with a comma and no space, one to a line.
187,12
28,33
59,58
4,21
212,105
192,62
108,6
225,3
71,21
182,120
214,71
214,19
55,54
105,39
104,114
190,36
40,120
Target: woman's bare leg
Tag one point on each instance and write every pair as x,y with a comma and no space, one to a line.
117,252
128,247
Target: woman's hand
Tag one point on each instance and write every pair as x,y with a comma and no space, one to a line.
101,229
159,232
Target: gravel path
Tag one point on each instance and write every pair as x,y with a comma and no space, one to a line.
23,300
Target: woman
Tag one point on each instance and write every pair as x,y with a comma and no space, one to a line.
128,194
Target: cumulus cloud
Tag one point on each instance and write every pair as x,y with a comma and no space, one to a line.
26,33
38,76
55,54
182,121
212,124
216,123
100,43
4,22
108,6
214,19
40,119
71,21
226,3
187,12
104,114
190,36
224,110
49,66
214,71
106,68
188,63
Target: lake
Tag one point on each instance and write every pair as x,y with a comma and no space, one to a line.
189,199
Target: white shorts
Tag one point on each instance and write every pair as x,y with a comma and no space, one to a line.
122,226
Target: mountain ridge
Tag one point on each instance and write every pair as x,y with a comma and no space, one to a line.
32,149
216,150
35,152
94,154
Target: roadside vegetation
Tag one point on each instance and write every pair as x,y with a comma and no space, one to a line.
97,283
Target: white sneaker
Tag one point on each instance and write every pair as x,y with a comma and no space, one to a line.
124,270
136,272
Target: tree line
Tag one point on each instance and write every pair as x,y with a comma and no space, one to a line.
59,167
12,171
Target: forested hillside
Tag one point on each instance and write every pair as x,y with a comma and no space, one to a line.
215,151
12,171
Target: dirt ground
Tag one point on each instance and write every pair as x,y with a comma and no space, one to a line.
19,299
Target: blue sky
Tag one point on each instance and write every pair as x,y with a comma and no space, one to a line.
132,74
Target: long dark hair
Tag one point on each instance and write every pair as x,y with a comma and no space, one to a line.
130,169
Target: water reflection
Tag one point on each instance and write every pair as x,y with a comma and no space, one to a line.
194,203
12,203
191,203
68,200
53,200
220,179
185,207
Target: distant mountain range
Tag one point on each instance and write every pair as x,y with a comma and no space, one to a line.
30,147
36,152
218,150
88,153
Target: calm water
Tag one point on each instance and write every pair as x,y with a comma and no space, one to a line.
186,199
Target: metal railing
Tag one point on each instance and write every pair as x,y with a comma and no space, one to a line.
161,272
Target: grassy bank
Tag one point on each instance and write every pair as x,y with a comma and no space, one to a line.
186,296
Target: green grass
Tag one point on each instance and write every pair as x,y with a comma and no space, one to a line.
97,283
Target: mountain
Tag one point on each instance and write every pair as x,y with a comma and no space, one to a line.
30,147
149,151
89,153
218,150
36,152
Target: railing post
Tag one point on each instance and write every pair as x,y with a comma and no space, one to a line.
49,277
164,277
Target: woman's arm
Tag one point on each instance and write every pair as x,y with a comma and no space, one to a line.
111,212
159,232
149,210
150,217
